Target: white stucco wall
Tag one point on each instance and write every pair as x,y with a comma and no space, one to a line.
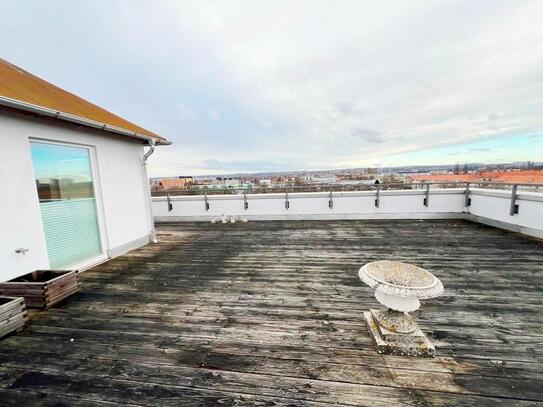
120,181
314,205
492,207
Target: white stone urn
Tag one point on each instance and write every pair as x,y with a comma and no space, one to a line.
399,287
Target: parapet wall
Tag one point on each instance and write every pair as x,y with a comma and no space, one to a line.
491,207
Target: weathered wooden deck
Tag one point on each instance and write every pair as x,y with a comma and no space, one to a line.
270,313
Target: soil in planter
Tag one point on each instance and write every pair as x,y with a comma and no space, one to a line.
40,276
4,300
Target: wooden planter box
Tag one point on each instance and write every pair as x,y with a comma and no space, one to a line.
42,288
13,315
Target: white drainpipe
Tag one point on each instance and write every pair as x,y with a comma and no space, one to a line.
151,150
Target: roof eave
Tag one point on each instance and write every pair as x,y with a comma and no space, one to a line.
44,111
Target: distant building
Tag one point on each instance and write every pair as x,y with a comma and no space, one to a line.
172,183
507,176
225,182
320,179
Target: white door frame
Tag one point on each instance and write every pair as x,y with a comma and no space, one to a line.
97,190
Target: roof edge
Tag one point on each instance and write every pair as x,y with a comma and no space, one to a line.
44,111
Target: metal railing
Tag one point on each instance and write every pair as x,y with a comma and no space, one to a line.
331,188
348,187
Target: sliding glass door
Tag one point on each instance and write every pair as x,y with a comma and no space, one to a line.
67,201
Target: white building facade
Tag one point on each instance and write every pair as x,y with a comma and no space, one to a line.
72,195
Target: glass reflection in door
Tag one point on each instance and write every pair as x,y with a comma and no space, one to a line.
67,201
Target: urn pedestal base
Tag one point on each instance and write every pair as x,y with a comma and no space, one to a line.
390,342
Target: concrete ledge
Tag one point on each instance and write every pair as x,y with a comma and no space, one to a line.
521,195
503,225
125,248
338,216
88,264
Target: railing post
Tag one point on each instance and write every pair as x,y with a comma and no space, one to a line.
513,210
427,195
287,203
377,196
245,203
206,203
330,200
170,206
467,200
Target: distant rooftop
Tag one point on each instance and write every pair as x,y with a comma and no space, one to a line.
22,86
514,176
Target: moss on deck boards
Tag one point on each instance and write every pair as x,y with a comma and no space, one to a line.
270,314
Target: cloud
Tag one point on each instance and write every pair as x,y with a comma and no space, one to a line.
294,84
214,114
240,166
186,111
367,134
350,109
493,117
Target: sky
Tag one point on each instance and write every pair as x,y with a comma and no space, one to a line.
247,86
61,161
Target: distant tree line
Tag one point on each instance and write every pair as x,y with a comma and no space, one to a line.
457,169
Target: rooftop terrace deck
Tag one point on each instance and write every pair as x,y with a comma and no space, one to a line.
270,313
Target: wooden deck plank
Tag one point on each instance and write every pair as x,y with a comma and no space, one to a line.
269,313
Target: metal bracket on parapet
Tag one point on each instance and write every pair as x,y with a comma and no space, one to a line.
287,203
206,203
331,200
426,200
377,196
513,210
169,201
245,203
467,199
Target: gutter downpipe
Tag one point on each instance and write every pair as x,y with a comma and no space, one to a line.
152,234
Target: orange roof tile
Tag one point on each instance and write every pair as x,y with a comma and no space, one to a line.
518,176
18,84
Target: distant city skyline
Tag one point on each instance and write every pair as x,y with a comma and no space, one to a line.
275,86
471,167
